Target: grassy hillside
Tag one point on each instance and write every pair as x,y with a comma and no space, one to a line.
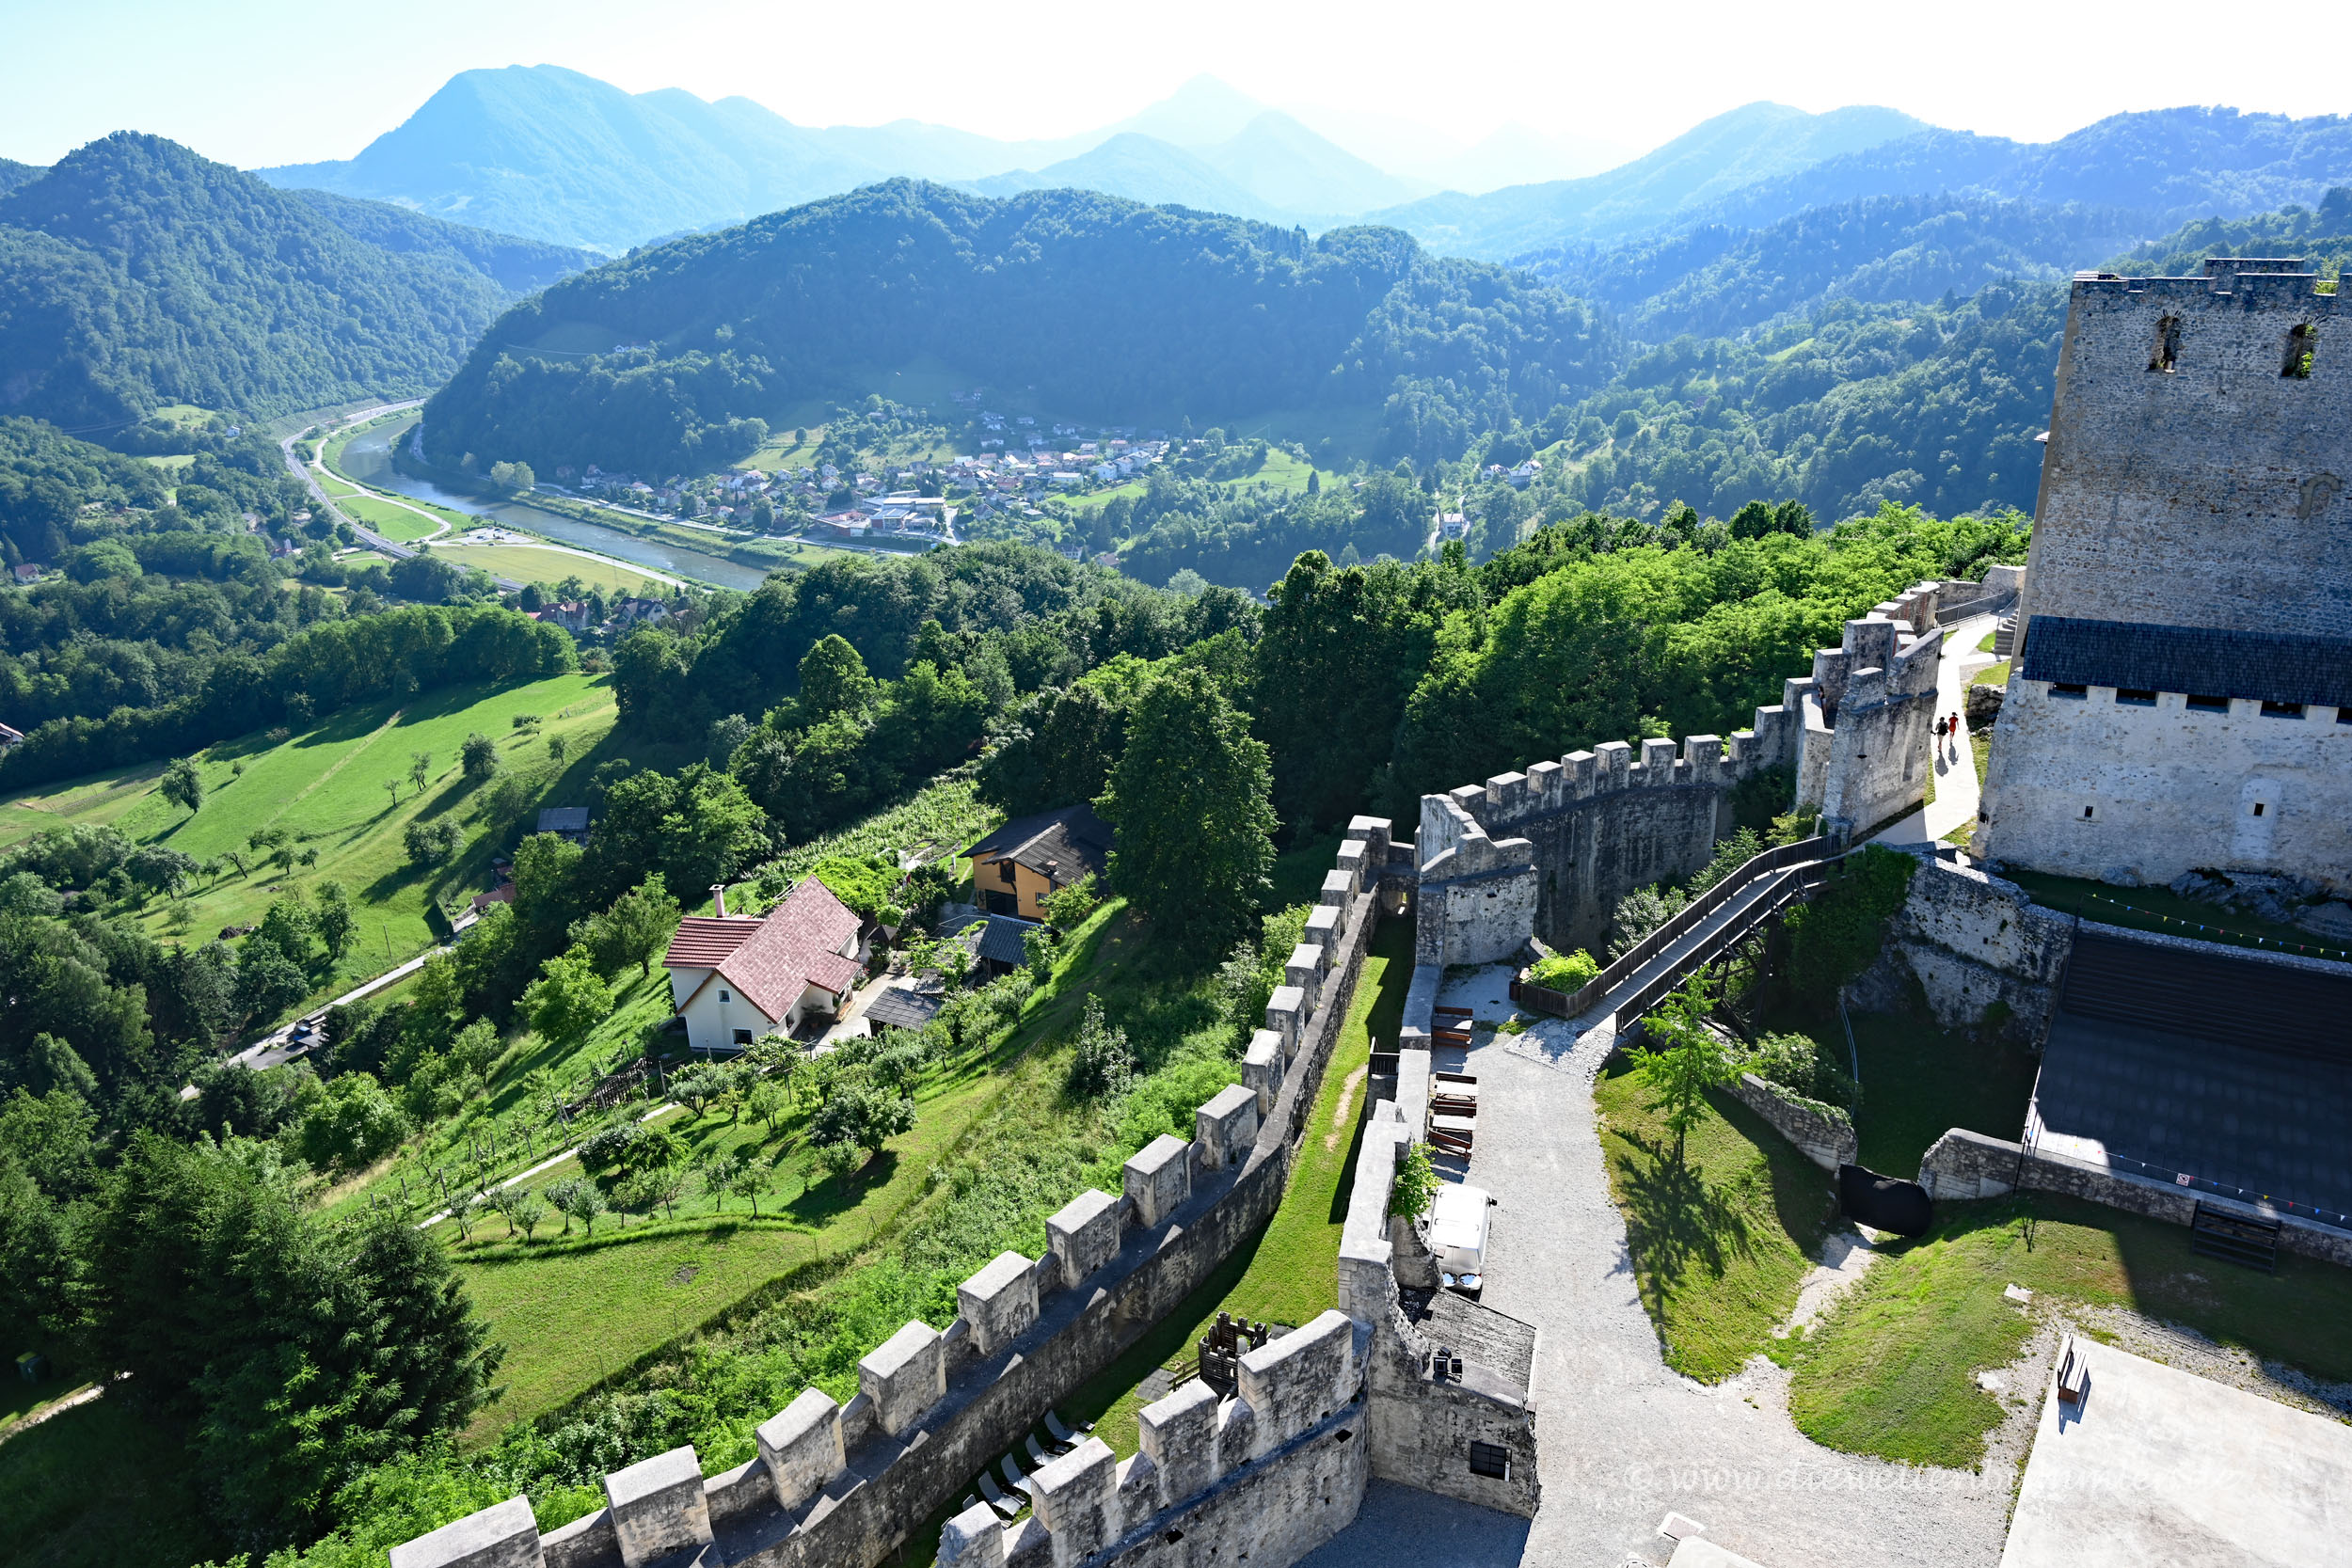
327,786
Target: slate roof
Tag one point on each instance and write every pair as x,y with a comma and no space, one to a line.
563,819
996,937
1063,845
901,1008
2270,667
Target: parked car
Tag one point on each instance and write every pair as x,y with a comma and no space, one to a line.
1458,1236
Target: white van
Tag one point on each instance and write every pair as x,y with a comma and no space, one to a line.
1458,1235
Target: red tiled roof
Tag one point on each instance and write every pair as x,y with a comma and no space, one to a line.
795,947
703,942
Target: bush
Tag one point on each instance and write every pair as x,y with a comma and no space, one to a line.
1835,938
351,1125
1066,907
1103,1065
1564,971
1804,1066
1415,1186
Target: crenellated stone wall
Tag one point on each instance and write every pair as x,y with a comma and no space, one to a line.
842,1485
1549,852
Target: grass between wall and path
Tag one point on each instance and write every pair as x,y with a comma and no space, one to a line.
1288,1272
1890,1370
1719,1241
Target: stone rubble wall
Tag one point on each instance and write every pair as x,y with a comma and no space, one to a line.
842,1486
1971,940
1823,1133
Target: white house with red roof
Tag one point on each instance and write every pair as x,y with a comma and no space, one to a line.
735,978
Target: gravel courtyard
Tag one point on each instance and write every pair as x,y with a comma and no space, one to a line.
1625,1441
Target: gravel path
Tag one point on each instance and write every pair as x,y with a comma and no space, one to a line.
1623,1440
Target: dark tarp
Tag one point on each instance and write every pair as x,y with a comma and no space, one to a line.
1883,1202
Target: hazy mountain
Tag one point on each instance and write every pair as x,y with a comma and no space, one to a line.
548,152
1199,114
1511,155
2173,163
13,174
1139,168
1290,168
134,273
1696,169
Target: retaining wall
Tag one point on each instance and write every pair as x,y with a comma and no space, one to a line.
1964,1166
1822,1134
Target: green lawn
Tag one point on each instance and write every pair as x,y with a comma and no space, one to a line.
327,785
100,1487
1890,1370
1995,675
1288,1271
1720,1242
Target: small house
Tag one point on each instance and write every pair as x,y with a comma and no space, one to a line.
735,978
1017,867
568,822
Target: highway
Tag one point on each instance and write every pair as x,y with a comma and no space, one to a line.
319,496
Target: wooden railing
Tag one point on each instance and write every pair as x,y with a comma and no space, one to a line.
1619,970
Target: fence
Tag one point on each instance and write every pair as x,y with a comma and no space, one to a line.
1543,999
1951,615
1788,886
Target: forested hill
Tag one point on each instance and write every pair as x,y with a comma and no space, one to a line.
1718,280
136,274
1090,305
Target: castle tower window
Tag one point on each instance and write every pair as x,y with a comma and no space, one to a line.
2090,814
2133,697
2210,705
2069,689
2301,341
2282,710
2168,349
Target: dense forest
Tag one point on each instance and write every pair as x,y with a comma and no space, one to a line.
134,273
1131,311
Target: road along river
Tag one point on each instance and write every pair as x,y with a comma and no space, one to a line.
368,458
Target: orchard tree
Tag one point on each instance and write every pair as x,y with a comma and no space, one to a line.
1190,799
833,680
635,930
334,920
183,785
478,755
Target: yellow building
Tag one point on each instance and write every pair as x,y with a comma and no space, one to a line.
1018,867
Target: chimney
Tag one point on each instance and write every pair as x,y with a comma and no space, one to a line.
719,900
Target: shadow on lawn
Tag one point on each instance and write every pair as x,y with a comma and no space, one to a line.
1674,1219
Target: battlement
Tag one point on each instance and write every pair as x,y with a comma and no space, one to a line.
1300,1389
839,1484
2199,455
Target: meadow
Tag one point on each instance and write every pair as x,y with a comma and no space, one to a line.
327,786
536,564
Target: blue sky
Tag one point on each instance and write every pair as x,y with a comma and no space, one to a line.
258,82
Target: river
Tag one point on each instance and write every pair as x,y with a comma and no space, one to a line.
368,458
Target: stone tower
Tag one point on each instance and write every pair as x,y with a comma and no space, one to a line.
2182,697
